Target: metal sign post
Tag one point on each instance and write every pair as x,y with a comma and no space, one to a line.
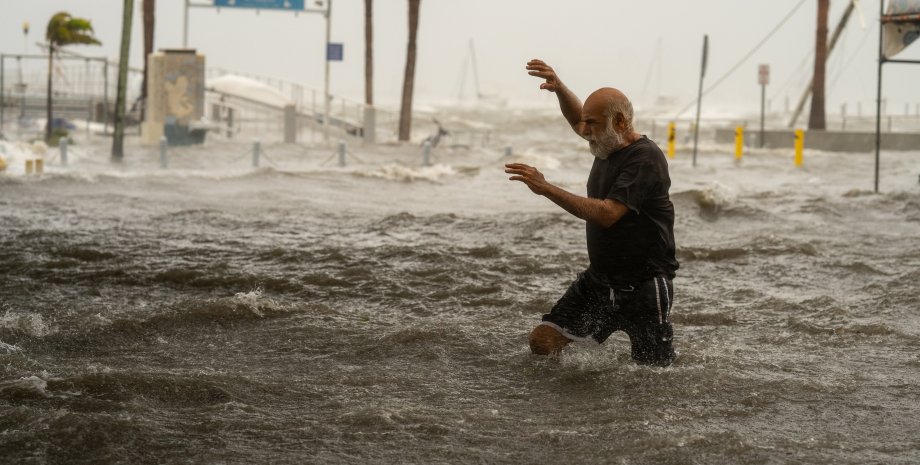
699,98
763,77
326,78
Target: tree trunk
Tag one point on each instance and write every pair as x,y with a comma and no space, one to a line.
118,142
149,13
48,109
817,120
368,53
405,111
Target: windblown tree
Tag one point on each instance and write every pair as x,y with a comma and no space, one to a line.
64,29
118,139
816,119
405,111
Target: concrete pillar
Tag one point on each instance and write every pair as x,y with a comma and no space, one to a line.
370,125
163,160
62,145
290,124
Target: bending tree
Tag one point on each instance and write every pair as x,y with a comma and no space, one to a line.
405,111
63,29
118,141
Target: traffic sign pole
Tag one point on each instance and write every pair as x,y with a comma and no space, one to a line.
763,97
326,103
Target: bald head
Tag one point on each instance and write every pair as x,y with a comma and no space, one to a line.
613,105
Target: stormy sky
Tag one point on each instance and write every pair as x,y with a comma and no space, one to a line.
648,48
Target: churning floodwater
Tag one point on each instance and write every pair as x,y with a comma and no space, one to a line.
378,313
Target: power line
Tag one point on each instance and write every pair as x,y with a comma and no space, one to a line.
745,57
852,57
799,74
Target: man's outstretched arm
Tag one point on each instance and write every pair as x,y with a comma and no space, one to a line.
604,212
568,102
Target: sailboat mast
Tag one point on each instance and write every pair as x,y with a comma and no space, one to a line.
475,69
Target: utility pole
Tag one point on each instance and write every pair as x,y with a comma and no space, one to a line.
817,118
838,30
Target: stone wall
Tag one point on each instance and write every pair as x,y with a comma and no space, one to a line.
831,141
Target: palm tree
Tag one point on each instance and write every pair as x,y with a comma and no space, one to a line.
405,111
816,119
118,139
149,15
64,29
368,52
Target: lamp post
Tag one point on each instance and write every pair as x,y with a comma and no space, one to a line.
22,84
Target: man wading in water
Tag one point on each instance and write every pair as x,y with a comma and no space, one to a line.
630,231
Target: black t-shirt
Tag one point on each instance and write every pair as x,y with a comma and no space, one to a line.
640,245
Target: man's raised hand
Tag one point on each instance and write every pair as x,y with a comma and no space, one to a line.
529,175
542,70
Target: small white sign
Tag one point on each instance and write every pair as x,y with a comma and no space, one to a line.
763,75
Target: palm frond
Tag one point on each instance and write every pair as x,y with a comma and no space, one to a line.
64,29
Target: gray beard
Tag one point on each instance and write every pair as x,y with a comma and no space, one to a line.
608,142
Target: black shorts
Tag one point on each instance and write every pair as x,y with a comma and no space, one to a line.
592,309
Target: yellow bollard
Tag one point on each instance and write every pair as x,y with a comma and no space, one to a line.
39,165
29,166
739,143
672,135
799,146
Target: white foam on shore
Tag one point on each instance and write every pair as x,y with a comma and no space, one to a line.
716,196
396,172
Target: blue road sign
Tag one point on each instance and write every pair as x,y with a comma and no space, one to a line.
335,51
262,4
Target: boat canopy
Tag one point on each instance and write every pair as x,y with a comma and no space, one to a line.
901,26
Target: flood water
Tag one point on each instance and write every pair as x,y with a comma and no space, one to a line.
378,313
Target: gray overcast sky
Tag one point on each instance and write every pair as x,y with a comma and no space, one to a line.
591,43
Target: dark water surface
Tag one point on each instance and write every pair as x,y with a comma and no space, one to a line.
340,317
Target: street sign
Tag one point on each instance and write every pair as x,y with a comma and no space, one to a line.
292,5
763,75
335,51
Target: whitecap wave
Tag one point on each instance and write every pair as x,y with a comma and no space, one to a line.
397,172
31,324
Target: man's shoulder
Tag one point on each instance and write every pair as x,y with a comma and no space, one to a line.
642,151
647,147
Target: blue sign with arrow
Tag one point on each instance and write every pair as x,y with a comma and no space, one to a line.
292,5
